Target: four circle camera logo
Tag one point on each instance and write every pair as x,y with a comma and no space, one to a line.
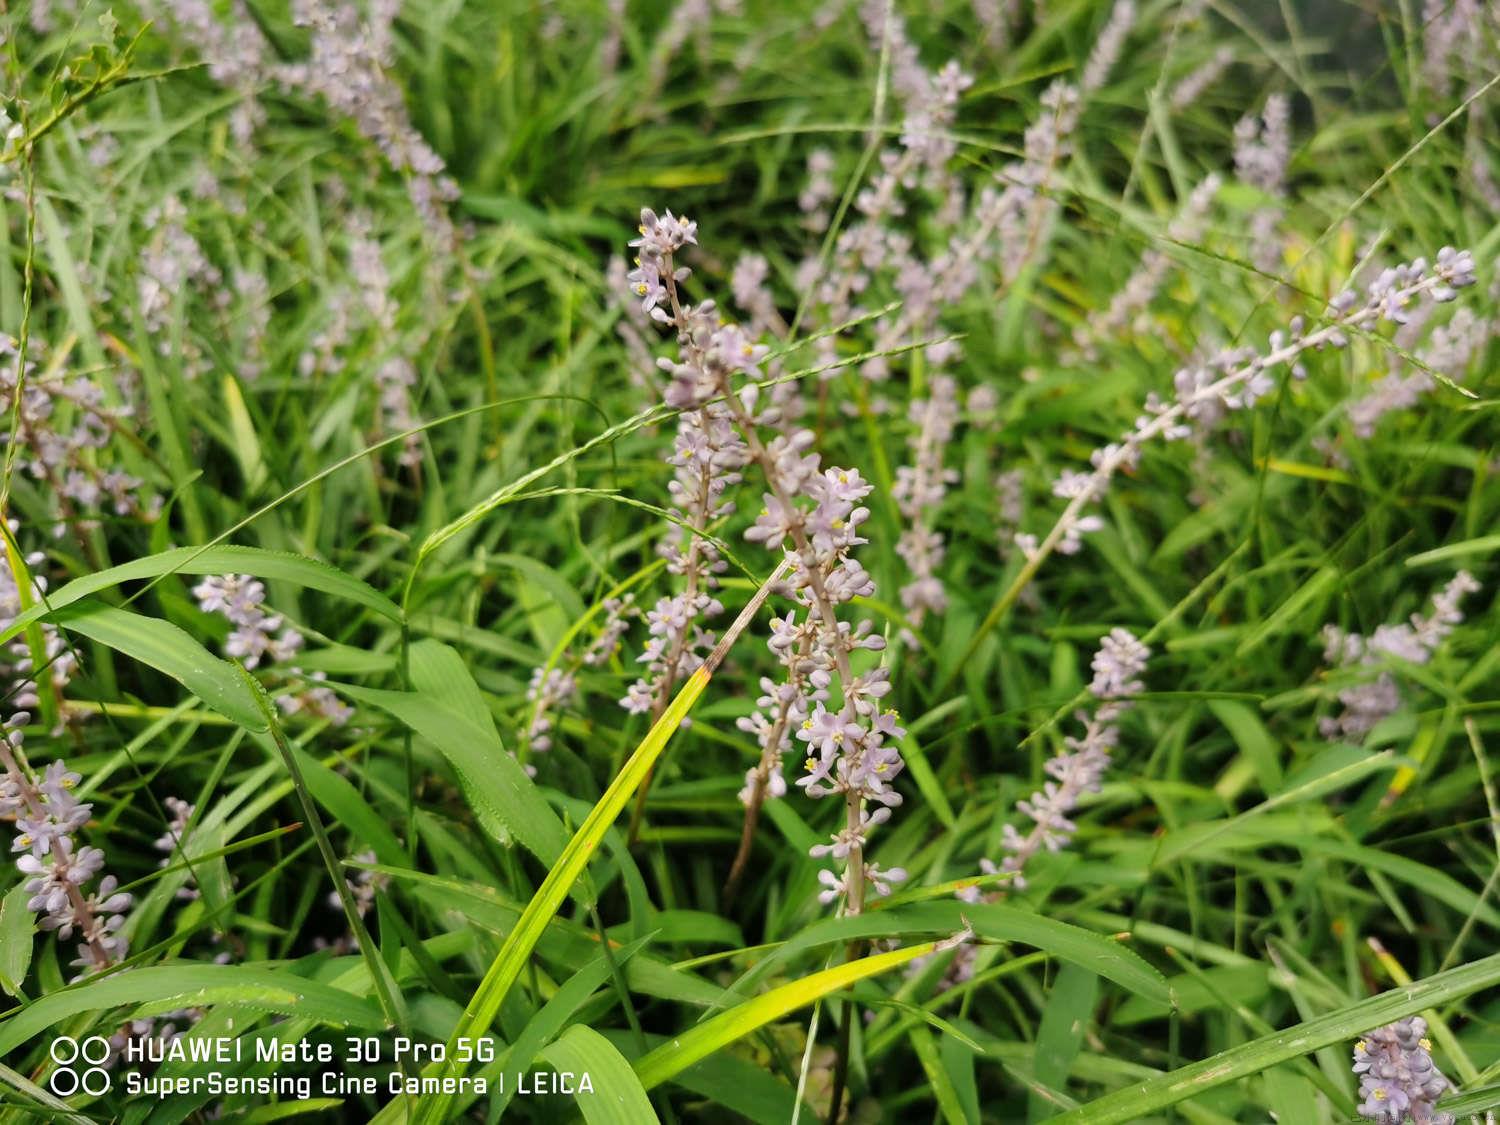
79,1065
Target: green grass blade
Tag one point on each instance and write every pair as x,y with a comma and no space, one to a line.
276,565
1158,1093
168,649
380,975
618,1097
497,786
1319,585
682,1051
165,987
1481,546
484,1006
17,938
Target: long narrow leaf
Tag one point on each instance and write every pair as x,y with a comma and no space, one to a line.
1155,1094
682,1051
276,565
166,987
617,1097
495,783
484,1006
165,647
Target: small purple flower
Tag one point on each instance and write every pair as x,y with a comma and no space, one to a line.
1398,1081
829,733
664,235
645,283
1120,659
57,870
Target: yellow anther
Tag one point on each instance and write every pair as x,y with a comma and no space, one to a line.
810,765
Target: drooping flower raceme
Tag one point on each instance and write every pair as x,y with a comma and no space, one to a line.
1237,378
59,870
1398,1081
812,514
1416,641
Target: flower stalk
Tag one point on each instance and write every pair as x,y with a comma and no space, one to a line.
1203,399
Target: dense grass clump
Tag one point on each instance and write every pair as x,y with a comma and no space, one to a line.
740,561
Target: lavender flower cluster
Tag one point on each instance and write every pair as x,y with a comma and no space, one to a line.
707,456
62,425
174,840
551,689
18,670
347,66
919,491
173,261
59,870
1398,1081
1117,667
259,634
1414,641
237,54
1194,84
364,885
812,514
868,252
1262,151
1010,221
